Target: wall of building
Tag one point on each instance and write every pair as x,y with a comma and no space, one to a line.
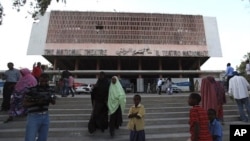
212,37
38,36
124,34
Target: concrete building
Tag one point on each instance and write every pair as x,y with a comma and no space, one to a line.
76,40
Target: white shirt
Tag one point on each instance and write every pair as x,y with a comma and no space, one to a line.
159,82
238,87
248,69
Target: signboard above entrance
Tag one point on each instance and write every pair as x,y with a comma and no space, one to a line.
123,52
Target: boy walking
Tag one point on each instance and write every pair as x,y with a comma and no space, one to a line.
198,120
214,125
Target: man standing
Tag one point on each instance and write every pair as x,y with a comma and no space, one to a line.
229,73
37,70
238,89
37,101
11,77
159,85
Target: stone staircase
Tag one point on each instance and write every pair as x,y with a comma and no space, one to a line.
166,120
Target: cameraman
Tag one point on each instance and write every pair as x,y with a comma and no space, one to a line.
37,101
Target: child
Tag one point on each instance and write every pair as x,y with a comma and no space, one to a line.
198,120
136,120
214,125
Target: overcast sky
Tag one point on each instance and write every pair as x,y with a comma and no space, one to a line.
233,19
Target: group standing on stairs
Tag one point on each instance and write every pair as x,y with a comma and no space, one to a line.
109,99
108,102
28,94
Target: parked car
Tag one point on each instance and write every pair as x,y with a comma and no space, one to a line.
84,88
126,85
176,89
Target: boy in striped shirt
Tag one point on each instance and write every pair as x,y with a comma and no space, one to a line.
198,120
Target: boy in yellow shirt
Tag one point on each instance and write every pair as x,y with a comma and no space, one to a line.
136,120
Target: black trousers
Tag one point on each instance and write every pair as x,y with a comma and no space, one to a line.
8,88
159,89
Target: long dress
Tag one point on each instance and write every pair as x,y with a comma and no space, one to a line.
212,95
99,98
22,87
116,105
221,99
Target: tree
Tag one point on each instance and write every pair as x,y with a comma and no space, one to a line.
241,68
37,7
1,13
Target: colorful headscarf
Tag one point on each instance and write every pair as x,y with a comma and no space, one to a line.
26,81
116,97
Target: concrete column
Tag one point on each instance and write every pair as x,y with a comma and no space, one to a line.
199,64
76,64
118,66
97,66
180,66
55,64
160,66
139,67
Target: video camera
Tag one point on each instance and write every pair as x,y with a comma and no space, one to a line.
36,95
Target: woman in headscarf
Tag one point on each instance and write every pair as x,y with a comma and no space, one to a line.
116,104
99,99
21,88
213,96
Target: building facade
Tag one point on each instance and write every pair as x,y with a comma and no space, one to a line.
93,41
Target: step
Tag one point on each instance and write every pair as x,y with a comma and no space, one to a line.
166,119
20,123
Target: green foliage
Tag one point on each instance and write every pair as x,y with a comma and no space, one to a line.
1,13
40,7
242,67
43,4
37,7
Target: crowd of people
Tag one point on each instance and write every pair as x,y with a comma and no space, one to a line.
161,82
27,93
108,100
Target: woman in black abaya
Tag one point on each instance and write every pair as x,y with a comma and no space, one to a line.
99,99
